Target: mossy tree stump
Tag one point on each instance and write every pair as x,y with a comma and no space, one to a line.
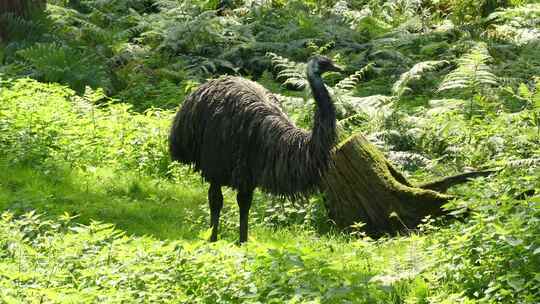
363,186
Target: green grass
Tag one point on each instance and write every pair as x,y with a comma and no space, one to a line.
159,250
136,226
142,205
144,239
57,261
137,204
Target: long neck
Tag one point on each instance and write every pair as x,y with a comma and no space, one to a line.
323,135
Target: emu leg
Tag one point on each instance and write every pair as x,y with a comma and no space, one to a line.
215,200
244,198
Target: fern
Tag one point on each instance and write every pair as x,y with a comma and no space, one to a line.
18,28
407,160
53,62
415,73
512,34
349,16
524,163
351,81
208,66
397,11
371,105
390,58
290,73
127,52
522,16
439,106
517,25
472,72
97,28
531,97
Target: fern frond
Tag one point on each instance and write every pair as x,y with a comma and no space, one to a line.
73,23
408,160
127,52
134,31
371,105
439,106
19,28
290,73
525,15
415,73
390,58
349,16
472,72
524,163
510,81
511,33
54,62
398,37
351,81
351,119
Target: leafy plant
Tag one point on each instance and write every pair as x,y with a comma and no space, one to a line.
496,257
290,73
472,73
56,63
531,97
52,123
415,73
349,83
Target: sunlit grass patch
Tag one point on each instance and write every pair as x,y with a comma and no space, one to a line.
58,260
137,204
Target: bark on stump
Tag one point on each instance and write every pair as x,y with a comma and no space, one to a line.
363,186
21,8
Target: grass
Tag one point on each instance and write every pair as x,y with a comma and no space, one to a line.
156,248
137,204
96,213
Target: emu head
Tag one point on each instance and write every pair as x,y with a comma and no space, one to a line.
319,65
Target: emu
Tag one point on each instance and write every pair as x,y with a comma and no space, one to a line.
233,131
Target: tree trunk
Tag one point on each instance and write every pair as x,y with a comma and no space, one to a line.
20,8
363,186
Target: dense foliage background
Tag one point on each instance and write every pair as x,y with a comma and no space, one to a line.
93,210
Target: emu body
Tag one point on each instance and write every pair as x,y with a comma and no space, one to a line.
233,131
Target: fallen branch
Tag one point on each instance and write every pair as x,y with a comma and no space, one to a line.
443,184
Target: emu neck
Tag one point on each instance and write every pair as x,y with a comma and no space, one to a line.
323,134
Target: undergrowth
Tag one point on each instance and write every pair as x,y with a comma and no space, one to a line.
97,180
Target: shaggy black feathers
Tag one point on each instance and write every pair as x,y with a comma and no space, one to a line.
232,130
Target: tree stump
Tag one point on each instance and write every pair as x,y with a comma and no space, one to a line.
21,8
362,186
